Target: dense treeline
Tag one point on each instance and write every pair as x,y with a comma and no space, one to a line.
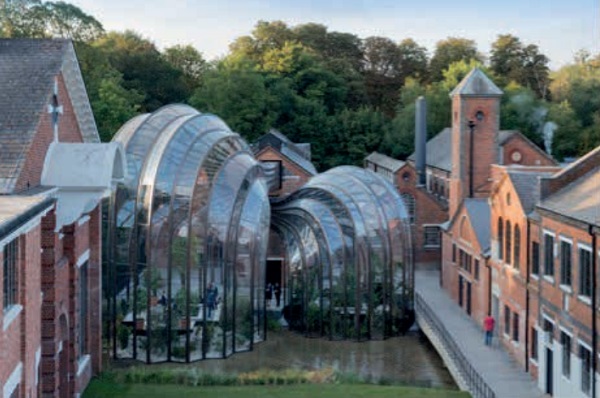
346,95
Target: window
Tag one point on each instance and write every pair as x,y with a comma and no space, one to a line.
585,272
432,236
549,255
273,174
515,335
11,274
506,320
535,258
549,329
500,238
83,307
409,202
586,369
517,249
465,260
534,344
507,253
565,341
476,269
453,253
565,263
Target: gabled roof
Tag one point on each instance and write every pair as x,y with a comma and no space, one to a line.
28,68
438,151
297,153
385,161
480,216
527,187
476,84
579,200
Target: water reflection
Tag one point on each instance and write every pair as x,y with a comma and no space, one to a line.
406,359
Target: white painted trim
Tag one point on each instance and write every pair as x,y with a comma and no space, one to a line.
82,220
83,258
565,239
585,246
10,315
583,343
535,276
549,279
566,288
584,299
13,380
23,229
546,318
547,232
60,347
82,363
38,359
565,331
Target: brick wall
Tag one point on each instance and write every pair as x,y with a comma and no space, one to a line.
21,340
68,132
529,154
296,178
428,210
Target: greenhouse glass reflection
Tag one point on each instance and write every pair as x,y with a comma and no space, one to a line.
350,266
186,240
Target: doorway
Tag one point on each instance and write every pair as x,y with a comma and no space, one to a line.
274,267
468,298
461,283
549,371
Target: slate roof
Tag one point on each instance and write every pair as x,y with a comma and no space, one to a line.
18,210
579,200
385,161
438,151
527,186
27,71
480,216
297,153
476,83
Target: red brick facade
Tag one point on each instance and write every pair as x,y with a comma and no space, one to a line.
292,175
530,276
41,346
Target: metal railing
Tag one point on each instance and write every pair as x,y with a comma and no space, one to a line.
475,383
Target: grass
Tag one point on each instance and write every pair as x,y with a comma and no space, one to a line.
101,388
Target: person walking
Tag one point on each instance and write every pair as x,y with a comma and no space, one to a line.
488,326
277,291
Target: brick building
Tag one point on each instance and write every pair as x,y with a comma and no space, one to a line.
286,164
521,243
53,173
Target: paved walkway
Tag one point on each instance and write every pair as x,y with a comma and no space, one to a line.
494,365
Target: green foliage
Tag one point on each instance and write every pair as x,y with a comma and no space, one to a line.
450,50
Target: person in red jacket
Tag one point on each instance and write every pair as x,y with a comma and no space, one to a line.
488,326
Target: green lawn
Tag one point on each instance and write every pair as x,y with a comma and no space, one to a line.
103,389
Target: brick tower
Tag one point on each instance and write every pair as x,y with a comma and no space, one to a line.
475,128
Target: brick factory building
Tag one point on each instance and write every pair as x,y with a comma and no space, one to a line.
53,174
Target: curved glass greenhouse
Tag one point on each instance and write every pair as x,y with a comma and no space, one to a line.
350,266
186,240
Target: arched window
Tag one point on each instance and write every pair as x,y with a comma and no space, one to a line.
517,249
508,242
500,238
409,202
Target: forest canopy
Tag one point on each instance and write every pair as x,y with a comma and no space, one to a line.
346,95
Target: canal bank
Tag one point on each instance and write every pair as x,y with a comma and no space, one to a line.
482,370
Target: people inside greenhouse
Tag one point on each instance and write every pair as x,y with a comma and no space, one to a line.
277,291
211,299
269,294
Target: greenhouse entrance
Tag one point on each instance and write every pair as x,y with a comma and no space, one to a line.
274,268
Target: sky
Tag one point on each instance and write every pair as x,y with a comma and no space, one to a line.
559,27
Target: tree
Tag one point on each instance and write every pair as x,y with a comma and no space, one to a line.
22,18
68,21
239,97
188,60
144,69
524,65
450,50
